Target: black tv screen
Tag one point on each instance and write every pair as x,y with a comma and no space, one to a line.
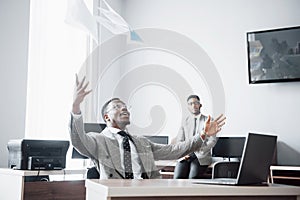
274,55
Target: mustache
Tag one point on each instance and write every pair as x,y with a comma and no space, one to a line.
125,113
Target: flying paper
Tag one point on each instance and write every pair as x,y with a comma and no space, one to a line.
79,16
112,21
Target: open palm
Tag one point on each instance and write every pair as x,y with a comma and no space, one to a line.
79,94
213,127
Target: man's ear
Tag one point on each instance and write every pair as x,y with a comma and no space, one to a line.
106,118
200,105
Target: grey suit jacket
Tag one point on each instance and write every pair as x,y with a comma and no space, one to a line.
104,150
186,132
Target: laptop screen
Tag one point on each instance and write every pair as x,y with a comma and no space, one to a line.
257,158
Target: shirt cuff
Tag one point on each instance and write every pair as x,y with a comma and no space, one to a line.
76,116
203,136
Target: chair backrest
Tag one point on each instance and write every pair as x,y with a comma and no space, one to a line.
92,173
225,169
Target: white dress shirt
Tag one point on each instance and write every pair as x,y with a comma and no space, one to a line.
198,124
136,166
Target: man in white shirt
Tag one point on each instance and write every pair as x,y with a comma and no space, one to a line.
118,154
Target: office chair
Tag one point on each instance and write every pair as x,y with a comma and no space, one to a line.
92,173
225,169
230,148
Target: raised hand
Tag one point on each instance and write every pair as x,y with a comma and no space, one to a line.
79,94
213,127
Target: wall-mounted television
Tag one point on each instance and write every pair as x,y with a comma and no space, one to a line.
274,55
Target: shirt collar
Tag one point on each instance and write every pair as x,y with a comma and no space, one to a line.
197,116
113,130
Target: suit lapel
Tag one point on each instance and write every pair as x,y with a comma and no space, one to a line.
114,152
146,164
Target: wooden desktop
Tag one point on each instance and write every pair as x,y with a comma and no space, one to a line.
14,186
182,189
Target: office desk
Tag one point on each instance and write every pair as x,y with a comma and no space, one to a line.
285,175
166,168
182,189
14,187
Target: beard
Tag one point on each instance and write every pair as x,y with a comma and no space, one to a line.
196,112
122,123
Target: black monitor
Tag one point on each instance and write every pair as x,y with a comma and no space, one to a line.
29,154
229,147
160,139
89,127
94,127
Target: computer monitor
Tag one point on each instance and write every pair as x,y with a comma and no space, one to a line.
89,127
160,139
94,127
33,154
229,147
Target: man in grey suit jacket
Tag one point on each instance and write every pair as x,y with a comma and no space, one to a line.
107,150
194,164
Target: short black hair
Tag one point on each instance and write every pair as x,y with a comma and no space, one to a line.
104,107
193,96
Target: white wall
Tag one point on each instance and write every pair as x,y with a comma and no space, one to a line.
220,27
14,23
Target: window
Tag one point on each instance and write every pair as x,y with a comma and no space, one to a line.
56,52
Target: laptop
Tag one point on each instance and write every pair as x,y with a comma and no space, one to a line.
255,163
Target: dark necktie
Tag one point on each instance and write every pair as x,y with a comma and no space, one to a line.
127,155
193,155
195,126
